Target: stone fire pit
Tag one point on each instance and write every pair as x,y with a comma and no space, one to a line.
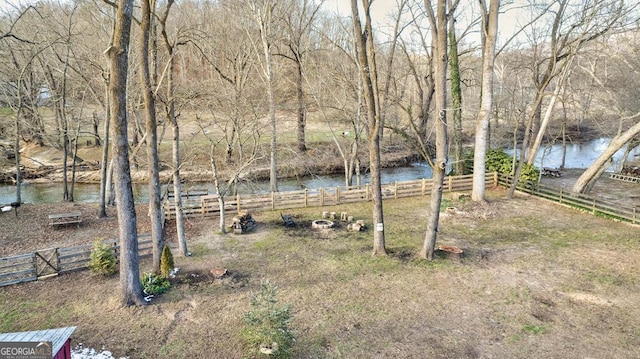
321,224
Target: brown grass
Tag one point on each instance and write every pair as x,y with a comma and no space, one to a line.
538,281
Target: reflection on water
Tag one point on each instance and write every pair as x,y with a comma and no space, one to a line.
90,193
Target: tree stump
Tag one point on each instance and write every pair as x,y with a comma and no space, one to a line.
451,252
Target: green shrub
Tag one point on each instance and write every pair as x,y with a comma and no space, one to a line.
166,262
103,259
153,284
498,160
267,333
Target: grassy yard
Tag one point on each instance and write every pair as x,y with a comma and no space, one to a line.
538,280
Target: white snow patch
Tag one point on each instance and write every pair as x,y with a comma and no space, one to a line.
80,352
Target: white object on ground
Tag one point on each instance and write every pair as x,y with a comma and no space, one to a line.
80,352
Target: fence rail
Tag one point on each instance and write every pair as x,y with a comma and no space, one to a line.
587,203
53,261
209,205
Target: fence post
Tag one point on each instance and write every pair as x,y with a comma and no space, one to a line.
635,212
395,189
238,202
337,195
424,186
321,195
306,198
450,184
366,191
273,200
495,178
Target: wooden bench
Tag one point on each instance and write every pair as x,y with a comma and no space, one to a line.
65,218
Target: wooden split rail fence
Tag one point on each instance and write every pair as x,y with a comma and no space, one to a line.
209,205
51,262
594,205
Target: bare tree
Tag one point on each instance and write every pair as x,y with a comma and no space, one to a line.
170,111
490,34
367,68
155,213
439,35
262,11
130,287
298,18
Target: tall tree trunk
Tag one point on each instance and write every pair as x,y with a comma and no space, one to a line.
302,111
367,69
65,159
490,28
439,34
130,287
221,194
173,119
16,148
111,191
105,165
95,125
155,212
177,181
104,162
73,163
456,99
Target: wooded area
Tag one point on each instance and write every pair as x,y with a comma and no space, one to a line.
517,74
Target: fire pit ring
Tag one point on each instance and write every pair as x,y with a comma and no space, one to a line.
321,224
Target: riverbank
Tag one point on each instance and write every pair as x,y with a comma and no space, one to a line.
44,165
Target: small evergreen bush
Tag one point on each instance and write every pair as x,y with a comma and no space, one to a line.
166,262
267,333
103,259
153,284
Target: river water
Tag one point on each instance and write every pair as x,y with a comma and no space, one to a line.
577,156
90,192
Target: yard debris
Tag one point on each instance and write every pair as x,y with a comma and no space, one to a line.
288,220
218,272
243,223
